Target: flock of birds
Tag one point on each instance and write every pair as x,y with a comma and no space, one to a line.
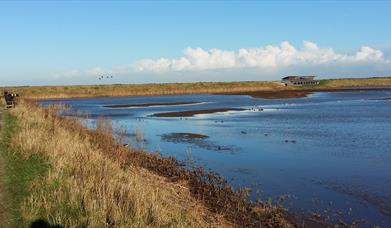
105,77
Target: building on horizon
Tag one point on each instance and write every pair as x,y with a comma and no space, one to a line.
299,80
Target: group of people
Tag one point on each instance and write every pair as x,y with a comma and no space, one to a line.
10,99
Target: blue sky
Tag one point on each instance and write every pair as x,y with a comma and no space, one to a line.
73,42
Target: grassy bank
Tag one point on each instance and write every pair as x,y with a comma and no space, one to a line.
73,176
55,173
48,92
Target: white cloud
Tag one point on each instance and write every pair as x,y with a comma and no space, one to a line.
269,62
277,56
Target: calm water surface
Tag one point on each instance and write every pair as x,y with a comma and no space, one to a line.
329,152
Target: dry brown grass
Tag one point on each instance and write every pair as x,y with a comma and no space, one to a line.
355,82
138,134
60,92
85,188
2,101
49,92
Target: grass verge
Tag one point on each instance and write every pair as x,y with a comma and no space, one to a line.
20,171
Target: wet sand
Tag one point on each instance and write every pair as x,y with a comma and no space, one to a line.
150,104
195,112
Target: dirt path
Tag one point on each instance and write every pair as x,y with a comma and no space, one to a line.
3,201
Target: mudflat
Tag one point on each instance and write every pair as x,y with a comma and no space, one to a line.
191,113
282,94
301,92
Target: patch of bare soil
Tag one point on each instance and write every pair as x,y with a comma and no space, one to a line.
150,104
191,113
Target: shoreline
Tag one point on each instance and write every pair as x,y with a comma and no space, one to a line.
290,92
299,93
212,191
260,89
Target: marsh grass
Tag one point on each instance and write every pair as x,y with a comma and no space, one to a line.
356,82
84,187
79,91
53,92
123,137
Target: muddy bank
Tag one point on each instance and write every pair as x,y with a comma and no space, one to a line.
195,112
196,140
299,92
150,104
183,137
274,94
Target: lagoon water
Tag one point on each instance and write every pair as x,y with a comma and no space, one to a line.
329,152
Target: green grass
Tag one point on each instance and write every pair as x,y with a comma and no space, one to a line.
323,82
20,171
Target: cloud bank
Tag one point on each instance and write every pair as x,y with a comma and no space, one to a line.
269,62
267,57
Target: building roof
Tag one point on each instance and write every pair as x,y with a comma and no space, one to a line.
295,78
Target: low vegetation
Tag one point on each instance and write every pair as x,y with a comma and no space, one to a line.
58,92
48,92
356,82
82,177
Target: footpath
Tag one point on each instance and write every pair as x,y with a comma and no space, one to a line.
3,198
